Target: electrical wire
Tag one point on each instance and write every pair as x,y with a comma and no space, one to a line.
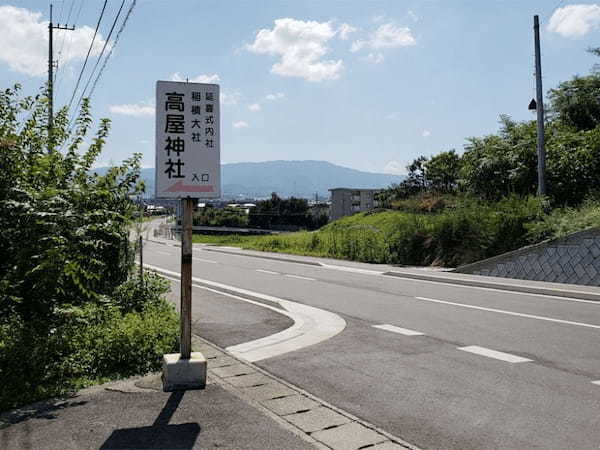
88,54
100,56
106,59
58,80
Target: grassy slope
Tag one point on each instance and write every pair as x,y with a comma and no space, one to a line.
449,238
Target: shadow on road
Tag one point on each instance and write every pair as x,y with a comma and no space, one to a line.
159,435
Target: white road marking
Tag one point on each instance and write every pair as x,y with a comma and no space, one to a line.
596,382
511,313
503,291
351,269
162,253
270,272
494,354
204,260
300,277
311,325
394,329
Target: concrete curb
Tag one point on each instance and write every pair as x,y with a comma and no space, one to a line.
485,283
275,258
267,391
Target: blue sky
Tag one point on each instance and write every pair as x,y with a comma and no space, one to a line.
364,84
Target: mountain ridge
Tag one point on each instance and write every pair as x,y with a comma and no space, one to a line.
287,178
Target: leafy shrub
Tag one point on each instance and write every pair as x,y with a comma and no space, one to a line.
88,344
70,314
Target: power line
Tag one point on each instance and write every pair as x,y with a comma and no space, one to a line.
100,56
88,54
64,38
70,39
113,47
123,25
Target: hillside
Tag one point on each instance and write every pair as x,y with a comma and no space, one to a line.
287,178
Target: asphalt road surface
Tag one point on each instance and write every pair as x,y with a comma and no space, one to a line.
439,365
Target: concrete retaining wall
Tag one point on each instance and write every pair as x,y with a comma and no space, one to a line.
573,259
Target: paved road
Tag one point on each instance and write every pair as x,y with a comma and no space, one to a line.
439,365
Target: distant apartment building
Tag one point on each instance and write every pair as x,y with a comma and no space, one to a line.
346,201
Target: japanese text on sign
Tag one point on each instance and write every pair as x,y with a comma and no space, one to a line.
188,160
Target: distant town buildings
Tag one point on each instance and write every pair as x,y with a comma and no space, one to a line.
347,201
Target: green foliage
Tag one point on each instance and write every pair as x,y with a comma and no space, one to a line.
88,344
216,217
576,102
563,221
468,231
70,313
277,213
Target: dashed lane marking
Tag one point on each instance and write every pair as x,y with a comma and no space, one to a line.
510,313
299,277
270,272
395,329
204,260
163,253
482,351
596,382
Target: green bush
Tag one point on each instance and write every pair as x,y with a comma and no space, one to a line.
88,344
467,231
70,313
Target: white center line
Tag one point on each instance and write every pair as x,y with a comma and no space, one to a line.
163,253
394,329
494,354
596,382
204,260
510,313
268,271
300,277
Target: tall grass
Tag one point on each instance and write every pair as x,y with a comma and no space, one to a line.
467,232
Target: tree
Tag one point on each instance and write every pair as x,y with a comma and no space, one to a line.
576,102
65,230
442,171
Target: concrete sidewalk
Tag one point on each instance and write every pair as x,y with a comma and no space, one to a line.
242,407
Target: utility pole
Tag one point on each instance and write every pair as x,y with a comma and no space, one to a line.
541,151
52,27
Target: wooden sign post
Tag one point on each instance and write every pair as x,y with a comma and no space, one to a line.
186,278
188,167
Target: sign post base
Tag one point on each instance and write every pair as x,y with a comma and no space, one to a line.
183,374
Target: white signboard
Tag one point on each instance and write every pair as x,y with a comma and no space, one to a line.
188,154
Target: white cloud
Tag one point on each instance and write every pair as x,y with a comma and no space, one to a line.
345,30
387,35
375,58
426,133
240,124
142,109
413,16
230,98
301,46
144,141
254,107
24,41
394,168
276,96
202,78
575,20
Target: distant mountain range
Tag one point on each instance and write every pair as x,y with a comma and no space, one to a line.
287,178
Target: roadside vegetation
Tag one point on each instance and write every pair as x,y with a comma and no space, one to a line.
72,310
456,208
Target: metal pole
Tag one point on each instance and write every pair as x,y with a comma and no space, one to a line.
541,151
50,83
141,262
186,278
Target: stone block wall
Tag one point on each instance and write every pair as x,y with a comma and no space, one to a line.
573,259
